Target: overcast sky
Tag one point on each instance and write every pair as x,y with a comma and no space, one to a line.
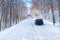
28,3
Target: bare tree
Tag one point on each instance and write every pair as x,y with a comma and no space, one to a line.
9,13
58,1
51,4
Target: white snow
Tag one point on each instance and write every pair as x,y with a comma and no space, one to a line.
27,30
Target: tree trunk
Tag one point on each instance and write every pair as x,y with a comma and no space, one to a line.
52,12
59,9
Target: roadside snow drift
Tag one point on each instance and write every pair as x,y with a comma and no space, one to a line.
27,30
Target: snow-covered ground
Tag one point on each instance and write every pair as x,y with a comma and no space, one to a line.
27,30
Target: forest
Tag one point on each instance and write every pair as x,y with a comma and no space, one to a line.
14,11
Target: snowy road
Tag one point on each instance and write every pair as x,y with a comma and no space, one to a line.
27,30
